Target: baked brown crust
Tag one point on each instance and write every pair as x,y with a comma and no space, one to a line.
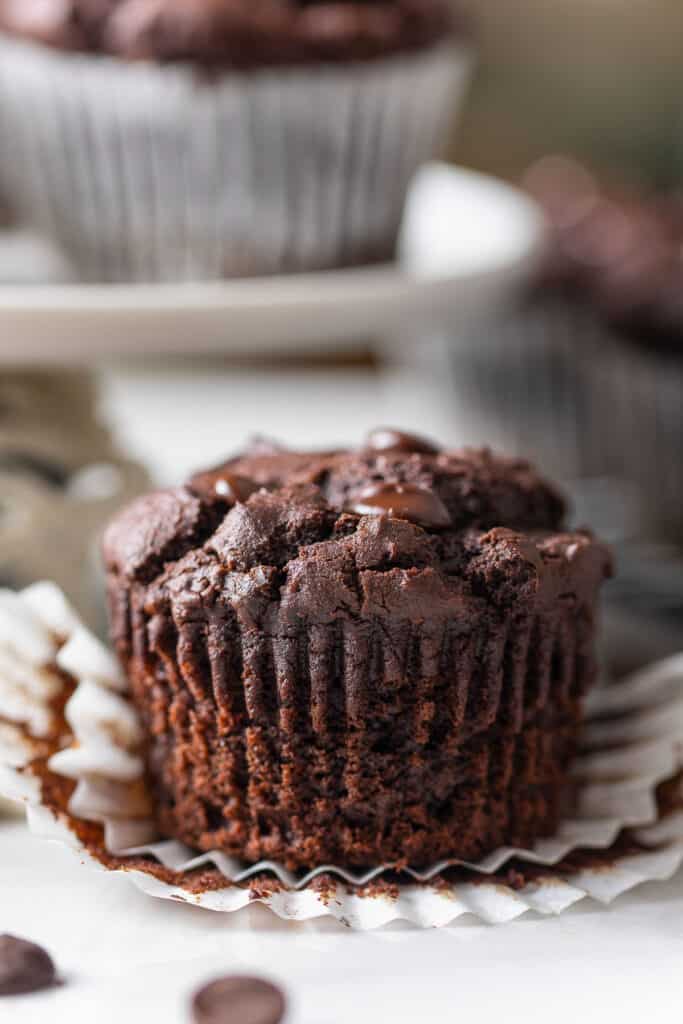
232,33
320,685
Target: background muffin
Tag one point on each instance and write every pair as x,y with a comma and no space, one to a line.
209,139
358,657
586,369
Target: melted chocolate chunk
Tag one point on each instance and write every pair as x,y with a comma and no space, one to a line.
386,439
24,966
238,1000
229,487
403,501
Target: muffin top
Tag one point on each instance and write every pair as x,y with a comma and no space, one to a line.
395,524
232,33
618,251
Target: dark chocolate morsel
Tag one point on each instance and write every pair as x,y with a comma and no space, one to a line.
238,1000
386,439
403,501
24,966
233,488
229,487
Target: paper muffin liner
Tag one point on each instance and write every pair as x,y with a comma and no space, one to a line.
71,749
146,172
304,726
551,379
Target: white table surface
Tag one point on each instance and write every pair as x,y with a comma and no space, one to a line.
127,957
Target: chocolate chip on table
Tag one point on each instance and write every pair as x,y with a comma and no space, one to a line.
386,439
24,966
403,501
238,1000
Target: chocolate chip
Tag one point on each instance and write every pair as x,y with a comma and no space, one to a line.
233,488
24,967
238,1000
228,487
385,439
403,501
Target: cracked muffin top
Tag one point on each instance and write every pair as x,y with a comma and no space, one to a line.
232,33
397,526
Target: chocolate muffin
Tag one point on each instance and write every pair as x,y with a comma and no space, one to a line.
231,33
206,139
358,657
615,252
585,370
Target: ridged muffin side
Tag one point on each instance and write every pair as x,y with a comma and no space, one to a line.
320,685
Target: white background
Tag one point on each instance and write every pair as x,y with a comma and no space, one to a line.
127,957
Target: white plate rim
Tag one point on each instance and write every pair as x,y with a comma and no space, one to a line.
66,320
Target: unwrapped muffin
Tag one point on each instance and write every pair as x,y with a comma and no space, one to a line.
162,140
357,657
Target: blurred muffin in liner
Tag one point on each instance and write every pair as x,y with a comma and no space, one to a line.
158,141
586,371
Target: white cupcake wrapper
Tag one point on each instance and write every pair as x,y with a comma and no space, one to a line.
552,379
148,172
421,905
633,741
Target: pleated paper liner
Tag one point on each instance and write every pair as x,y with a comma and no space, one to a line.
147,172
502,722
70,748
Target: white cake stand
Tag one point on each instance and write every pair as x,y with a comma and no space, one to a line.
467,241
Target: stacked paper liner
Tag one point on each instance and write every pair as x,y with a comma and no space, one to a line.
70,748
